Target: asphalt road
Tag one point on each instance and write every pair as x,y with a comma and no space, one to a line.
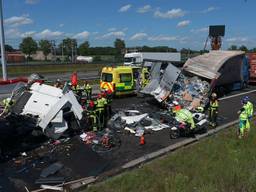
5,90
80,161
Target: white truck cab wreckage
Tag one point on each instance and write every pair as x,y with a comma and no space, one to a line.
53,109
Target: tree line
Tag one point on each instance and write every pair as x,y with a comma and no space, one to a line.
70,47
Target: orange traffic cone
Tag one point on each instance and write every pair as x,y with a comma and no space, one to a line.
142,140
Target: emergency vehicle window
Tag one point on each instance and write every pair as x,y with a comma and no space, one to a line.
125,77
107,77
128,59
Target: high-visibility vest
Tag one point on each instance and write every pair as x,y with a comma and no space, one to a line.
185,116
6,102
101,103
243,116
87,87
249,108
214,105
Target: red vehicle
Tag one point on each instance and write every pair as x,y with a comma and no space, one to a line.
252,63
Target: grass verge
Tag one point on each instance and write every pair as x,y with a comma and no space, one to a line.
219,163
57,68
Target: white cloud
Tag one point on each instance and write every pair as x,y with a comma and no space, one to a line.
16,34
46,34
32,2
237,39
82,35
200,30
170,14
210,9
125,29
113,34
183,40
112,29
17,21
28,34
125,8
138,36
162,38
12,34
183,23
144,9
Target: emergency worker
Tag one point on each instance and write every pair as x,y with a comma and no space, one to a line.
248,107
109,97
100,110
176,107
7,103
243,118
213,110
185,116
88,90
91,108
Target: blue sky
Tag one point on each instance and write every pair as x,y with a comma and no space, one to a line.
174,23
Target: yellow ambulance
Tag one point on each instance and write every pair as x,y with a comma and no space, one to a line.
122,80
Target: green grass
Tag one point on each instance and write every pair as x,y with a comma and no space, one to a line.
58,68
219,163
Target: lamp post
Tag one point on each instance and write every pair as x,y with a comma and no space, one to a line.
2,42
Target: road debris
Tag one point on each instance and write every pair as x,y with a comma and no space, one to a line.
52,169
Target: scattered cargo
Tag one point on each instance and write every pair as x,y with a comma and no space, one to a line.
217,71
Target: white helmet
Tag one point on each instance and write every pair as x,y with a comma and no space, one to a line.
175,102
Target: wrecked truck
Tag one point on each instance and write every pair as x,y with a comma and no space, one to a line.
191,86
41,109
218,71
225,70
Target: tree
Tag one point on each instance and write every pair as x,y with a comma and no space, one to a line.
253,49
243,48
8,48
28,46
69,47
83,48
232,47
119,45
45,46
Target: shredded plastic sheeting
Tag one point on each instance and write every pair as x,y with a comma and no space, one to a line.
136,124
209,64
134,119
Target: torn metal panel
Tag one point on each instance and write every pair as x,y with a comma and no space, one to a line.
170,75
151,86
209,64
162,88
155,71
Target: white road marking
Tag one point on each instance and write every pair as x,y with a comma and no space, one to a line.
236,95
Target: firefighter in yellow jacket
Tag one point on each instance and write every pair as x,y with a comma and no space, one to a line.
213,110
